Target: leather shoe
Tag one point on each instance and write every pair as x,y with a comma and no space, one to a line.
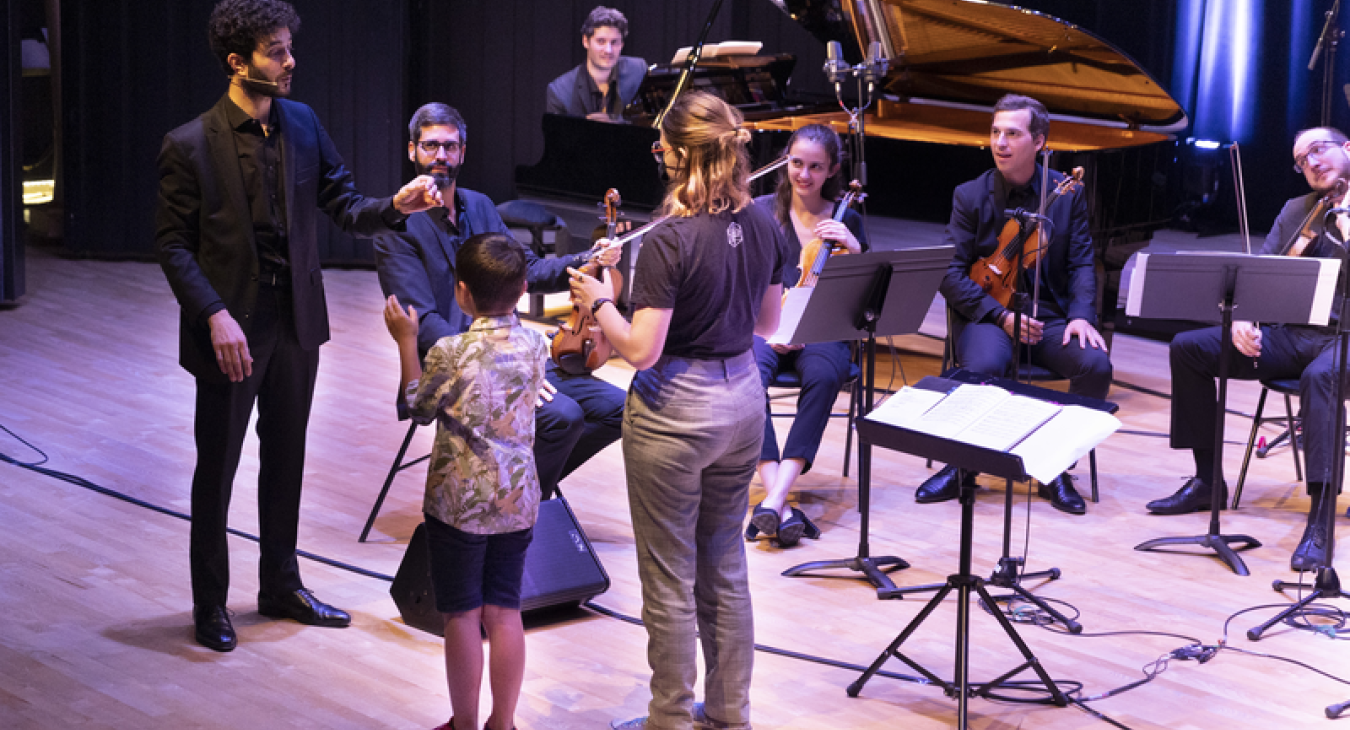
214,630
1062,495
942,486
303,607
1193,496
1312,550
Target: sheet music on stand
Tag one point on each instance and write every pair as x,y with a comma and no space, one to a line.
1049,437
802,323
1278,283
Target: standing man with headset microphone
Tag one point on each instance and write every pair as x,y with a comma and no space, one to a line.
235,229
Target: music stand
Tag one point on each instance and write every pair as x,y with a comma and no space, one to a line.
966,458
1199,286
856,297
1006,575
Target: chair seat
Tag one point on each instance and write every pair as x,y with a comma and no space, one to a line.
790,378
1284,386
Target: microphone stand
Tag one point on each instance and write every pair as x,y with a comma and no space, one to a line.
1007,575
1329,39
689,63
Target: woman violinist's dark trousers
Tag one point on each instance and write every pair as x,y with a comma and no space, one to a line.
282,384
585,416
1305,353
985,348
823,367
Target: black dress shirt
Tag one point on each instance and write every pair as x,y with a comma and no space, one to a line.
260,163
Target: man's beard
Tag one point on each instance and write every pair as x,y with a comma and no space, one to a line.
444,177
256,83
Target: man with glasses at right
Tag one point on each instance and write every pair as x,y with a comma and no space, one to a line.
1272,352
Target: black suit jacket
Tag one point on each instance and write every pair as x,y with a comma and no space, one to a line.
204,231
570,93
977,218
418,266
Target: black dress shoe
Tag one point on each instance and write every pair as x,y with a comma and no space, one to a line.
942,486
303,607
1062,495
1312,549
214,630
1193,496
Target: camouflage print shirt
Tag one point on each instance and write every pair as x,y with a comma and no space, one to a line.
480,388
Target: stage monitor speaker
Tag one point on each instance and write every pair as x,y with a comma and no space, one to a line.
560,568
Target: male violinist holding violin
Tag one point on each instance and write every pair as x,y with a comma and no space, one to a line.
578,415
1057,328
1322,155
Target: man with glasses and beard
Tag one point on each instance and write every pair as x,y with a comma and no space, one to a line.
1272,352
578,414
235,231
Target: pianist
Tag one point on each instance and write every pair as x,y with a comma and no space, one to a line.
601,87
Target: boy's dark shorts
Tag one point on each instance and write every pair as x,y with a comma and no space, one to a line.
469,570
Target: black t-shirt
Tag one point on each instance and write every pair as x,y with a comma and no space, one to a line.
712,271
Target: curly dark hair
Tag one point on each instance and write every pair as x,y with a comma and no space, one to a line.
602,16
236,26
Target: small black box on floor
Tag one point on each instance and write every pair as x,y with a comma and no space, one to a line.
560,568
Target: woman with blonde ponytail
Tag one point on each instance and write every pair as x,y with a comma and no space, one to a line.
708,279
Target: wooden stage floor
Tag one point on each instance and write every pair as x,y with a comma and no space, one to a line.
95,602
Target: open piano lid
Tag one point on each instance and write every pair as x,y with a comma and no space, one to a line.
968,52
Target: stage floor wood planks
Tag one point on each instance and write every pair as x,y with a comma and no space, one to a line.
95,624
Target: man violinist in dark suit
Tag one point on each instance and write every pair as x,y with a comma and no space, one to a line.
235,231
1322,156
1061,335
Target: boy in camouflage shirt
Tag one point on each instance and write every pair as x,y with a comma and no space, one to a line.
482,493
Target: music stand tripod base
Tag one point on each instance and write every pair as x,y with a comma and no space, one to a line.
964,583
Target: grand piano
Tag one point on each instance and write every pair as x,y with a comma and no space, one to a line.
928,131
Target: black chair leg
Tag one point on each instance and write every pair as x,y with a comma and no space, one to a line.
1293,437
394,469
1251,444
1092,468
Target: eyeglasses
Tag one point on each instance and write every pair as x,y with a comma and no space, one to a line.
659,152
430,146
1316,149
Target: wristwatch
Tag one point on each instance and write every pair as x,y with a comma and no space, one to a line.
602,301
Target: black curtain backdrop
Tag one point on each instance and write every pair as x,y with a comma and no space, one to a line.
134,69
12,283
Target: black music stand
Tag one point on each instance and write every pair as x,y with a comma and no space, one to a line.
1199,286
862,296
1006,575
966,458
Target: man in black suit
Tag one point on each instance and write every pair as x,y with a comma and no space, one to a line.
235,231
601,87
1062,336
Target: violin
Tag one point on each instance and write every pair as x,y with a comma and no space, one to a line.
579,346
818,251
1298,243
996,273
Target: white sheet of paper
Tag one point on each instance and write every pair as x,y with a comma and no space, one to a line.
1066,438
1008,422
959,409
794,304
905,407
